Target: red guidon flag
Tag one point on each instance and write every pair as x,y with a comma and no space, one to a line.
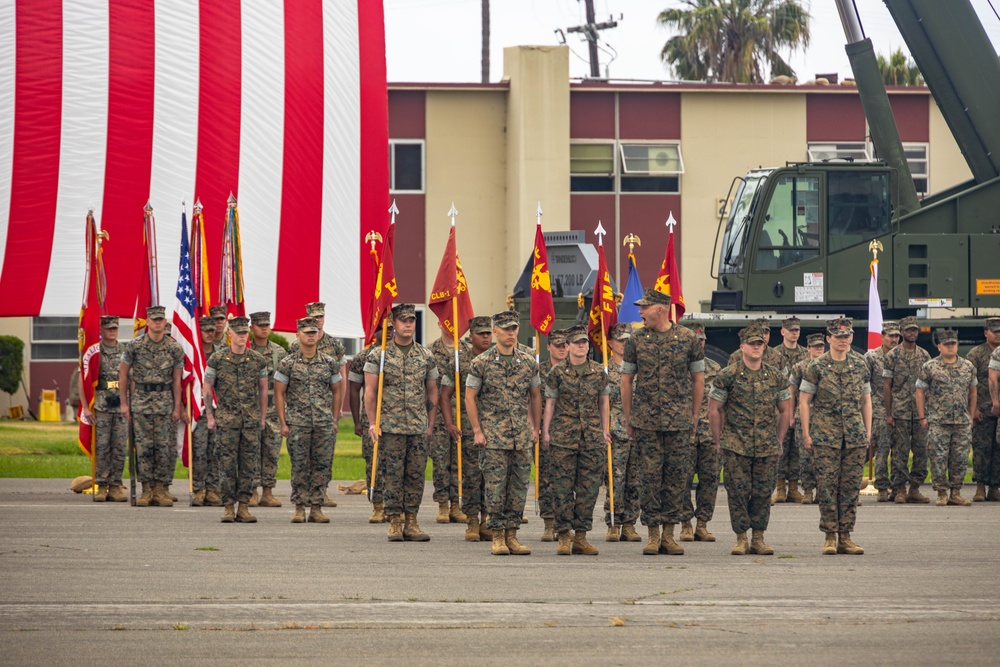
448,285
543,312
90,332
281,102
603,308
668,280
384,271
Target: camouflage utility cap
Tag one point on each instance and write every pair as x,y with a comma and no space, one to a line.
763,323
621,331
651,297
840,326
752,334
316,309
206,323
480,324
505,319
558,337
791,323
239,325
947,336
993,323
697,327
109,322
815,339
576,333
218,312
890,327
261,319
404,311
307,325
156,313
908,322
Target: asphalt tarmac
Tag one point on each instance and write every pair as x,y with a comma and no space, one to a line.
84,583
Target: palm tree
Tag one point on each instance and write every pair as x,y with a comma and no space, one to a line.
730,40
899,70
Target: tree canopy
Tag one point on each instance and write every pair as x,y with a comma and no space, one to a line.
735,41
899,70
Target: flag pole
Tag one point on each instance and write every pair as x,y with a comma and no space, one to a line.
875,246
538,470
604,362
378,407
189,445
458,392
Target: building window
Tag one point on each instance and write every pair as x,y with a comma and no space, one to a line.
637,167
592,167
916,157
651,167
848,151
55,338
406,165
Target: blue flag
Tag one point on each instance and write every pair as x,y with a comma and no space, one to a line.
633,292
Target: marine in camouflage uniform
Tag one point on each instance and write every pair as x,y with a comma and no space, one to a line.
750,408
790,463
205,468
624,453
409,404
946,398
333,348
900,368
503,402
985,449
153,363
356,380
574,432
558,349
667,365
238,377
807,469
881,435
994,368
307,396
441,448
771,355
220,317
480,334
110,428
835,407
270,438
707,464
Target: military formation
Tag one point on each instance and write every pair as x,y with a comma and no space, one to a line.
658,424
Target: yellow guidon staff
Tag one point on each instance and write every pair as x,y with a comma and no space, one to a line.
378,407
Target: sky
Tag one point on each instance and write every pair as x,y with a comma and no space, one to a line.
440,40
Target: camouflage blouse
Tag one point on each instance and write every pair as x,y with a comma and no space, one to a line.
751,401
838,389
946,390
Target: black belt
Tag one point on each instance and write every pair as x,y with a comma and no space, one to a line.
154,387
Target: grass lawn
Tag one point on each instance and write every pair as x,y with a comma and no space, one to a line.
38,449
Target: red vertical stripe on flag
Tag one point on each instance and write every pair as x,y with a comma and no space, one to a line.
35,166
131,62
217,170
302,164
374,157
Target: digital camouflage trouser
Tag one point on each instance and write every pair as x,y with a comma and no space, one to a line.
442,451
546,501
625,466
790,463
506,473
986,452
404,457
575,482
155,447
706,465
367,450
838,485
881,444
807,469
749,481
270,450
311,450
111,440
948,449
907,438
666,459
472,474
239,456
204,450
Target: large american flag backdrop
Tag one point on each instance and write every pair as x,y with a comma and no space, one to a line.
110,103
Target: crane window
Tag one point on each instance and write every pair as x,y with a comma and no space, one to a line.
790,232
858,207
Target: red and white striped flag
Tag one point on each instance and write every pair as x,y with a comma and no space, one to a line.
874,309
187,334
116,102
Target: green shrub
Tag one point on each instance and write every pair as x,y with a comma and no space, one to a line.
11,363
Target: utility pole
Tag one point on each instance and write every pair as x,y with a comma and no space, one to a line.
590,32
486,42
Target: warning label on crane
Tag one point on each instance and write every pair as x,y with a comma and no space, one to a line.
811,290
987,286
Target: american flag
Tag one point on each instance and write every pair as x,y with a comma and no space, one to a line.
188,336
